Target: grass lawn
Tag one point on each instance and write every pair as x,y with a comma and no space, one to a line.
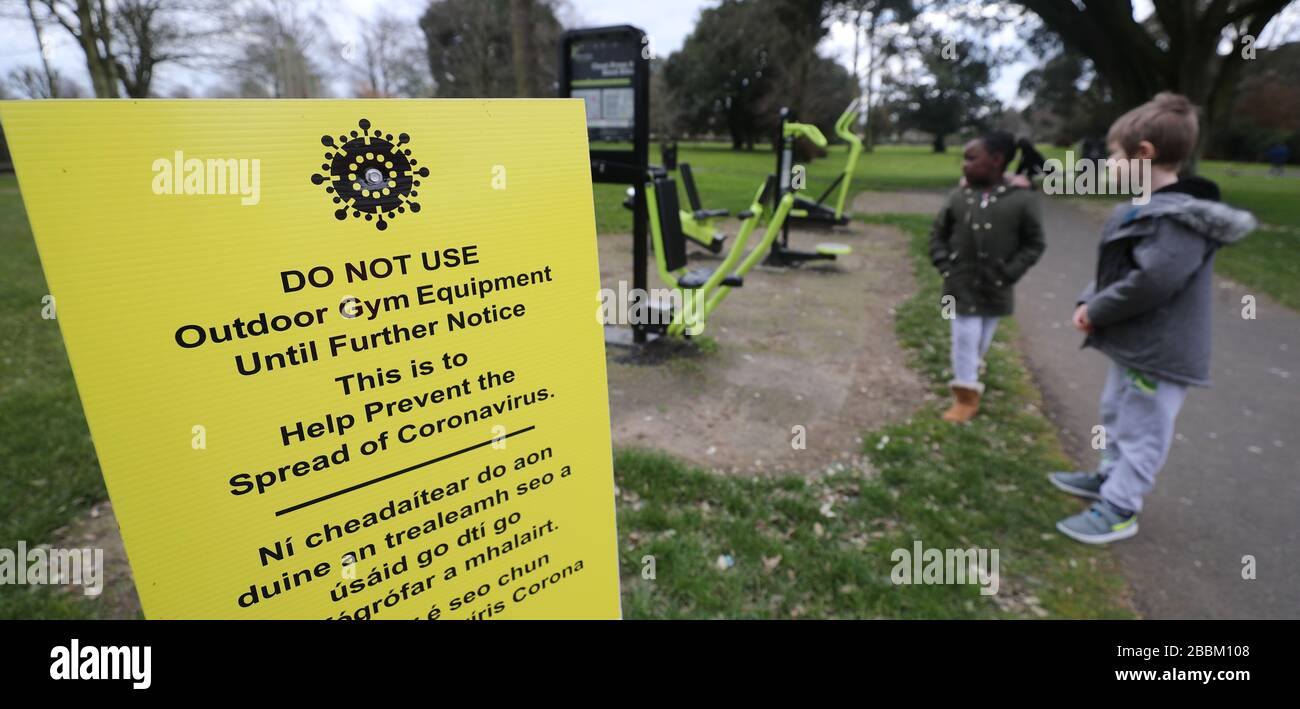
1268,259
792,546
48,470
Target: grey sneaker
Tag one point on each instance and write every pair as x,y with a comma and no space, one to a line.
1082,484
1100,524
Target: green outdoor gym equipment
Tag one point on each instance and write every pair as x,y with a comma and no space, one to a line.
781,254
698,292
698,223
808,212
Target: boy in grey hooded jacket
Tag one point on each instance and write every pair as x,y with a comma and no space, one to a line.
1149,310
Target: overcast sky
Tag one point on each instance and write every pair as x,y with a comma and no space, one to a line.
667,22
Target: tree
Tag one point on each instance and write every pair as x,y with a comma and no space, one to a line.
952,92
126,41
275,50
471,47
147,34
805,23
388,59
718,76
746,59
663,108
1265,108
826,89
1068,98
31,82
88,21
876,23
51,84
1177,48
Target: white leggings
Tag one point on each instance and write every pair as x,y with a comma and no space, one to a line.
971,336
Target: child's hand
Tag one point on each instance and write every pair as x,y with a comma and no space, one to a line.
1081,320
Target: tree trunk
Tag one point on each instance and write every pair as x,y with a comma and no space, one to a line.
804,68
50,83
938,145
103,75
868,141
104,30
86,37
857,42
521,46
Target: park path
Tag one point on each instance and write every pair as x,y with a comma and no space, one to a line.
1231,486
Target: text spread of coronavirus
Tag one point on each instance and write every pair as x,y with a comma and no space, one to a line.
339,359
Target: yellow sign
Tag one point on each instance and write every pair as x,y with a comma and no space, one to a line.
338,358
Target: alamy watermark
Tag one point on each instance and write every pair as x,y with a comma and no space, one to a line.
45,566
933,566
74,661
655,306
1098,177
179,175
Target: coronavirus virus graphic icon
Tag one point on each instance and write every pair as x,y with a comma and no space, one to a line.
371,175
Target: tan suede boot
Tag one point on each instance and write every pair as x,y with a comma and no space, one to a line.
966,405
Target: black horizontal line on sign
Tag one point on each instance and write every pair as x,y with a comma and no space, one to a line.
403,471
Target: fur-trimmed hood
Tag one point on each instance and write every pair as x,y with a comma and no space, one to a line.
1210,218
1215,221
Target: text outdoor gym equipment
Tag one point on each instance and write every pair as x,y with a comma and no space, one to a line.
787,133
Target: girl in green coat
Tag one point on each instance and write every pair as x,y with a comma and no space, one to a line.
986,236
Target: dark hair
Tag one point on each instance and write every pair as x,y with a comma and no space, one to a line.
1031,161
1001,143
